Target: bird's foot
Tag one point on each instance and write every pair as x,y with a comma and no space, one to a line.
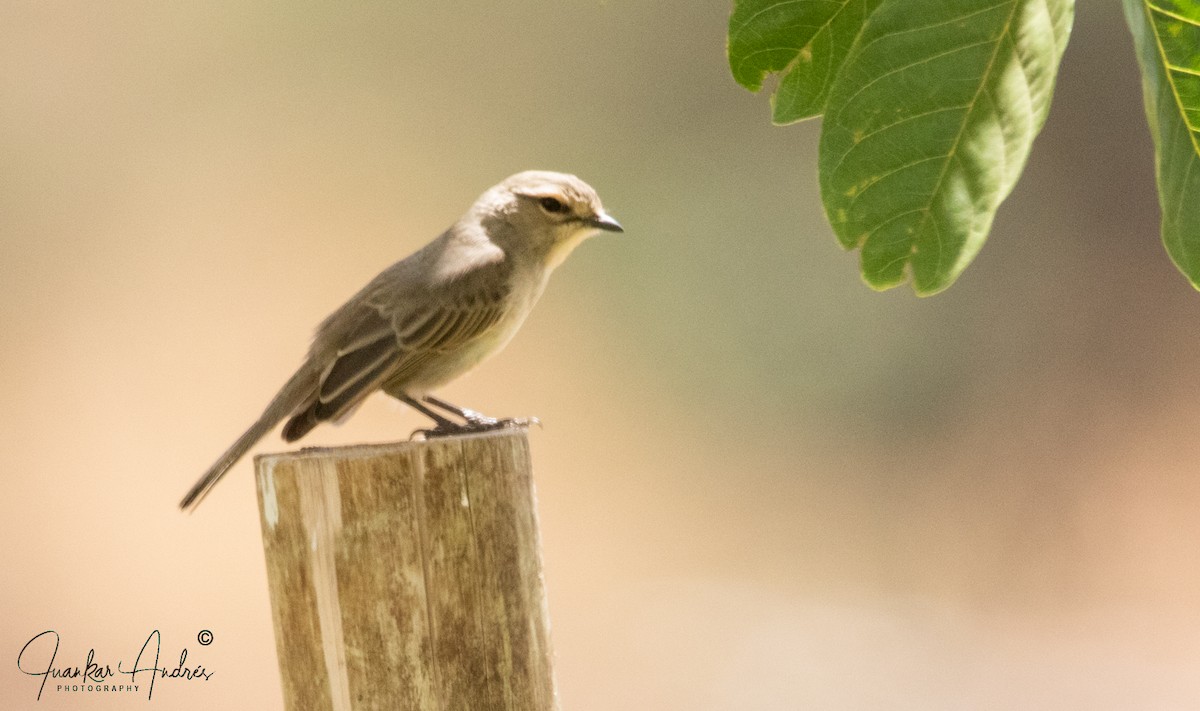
474,424
478,422
439,431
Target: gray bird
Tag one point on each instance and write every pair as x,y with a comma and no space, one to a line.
434,315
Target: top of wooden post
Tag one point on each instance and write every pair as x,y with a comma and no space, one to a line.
408,575
357,451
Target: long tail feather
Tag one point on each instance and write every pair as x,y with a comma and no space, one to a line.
290,397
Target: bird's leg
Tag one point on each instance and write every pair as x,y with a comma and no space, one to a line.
444,427
478,422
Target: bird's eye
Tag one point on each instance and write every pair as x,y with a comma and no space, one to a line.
550,204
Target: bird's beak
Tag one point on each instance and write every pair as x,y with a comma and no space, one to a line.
604,222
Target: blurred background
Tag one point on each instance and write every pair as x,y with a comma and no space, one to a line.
762,485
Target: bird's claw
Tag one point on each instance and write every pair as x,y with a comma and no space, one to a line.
483,423
476,423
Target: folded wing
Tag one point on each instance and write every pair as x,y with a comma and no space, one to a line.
393,350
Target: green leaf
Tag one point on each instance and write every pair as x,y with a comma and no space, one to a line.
805,40
1167,36
928,127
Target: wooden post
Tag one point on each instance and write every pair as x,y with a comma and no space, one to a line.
408,576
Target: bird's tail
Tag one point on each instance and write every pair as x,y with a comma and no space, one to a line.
291,396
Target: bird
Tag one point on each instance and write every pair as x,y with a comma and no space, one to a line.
434,315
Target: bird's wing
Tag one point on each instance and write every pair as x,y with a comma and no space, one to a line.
350,373
356,370
452,325
392,348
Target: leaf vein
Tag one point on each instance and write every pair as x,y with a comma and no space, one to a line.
899,169
871,232
846,104
1173,15
768,8
985,79
934,25
1162,55
1184,70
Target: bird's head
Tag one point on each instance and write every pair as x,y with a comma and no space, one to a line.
547,213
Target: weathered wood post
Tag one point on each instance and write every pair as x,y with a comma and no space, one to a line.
408,576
